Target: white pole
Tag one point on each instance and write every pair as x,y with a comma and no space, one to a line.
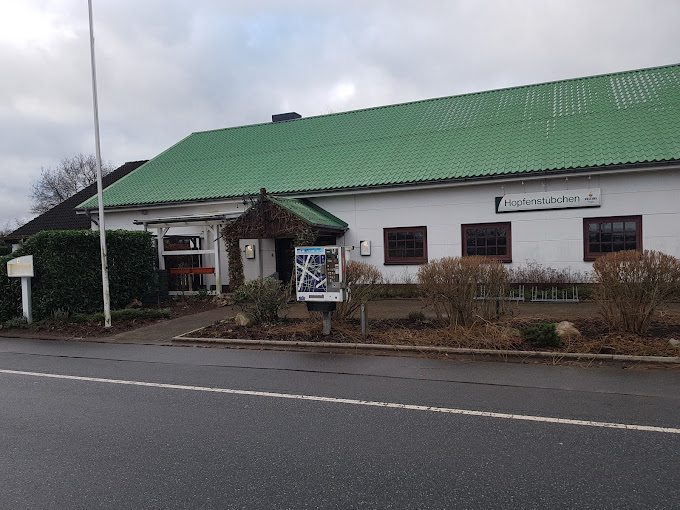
26,298
100,197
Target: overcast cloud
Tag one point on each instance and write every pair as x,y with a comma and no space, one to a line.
167,68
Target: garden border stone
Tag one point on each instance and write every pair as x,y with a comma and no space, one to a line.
429,349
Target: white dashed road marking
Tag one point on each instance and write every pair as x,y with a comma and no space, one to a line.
349,401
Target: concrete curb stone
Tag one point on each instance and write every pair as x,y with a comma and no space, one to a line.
430,349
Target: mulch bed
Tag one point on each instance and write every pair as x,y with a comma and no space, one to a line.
96,329
596,337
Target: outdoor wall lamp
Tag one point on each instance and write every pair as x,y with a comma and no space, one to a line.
365,248
250,251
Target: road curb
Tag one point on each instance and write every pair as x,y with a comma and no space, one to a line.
430,349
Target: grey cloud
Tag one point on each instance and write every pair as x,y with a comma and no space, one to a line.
167,68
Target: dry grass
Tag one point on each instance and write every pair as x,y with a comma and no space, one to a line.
597,337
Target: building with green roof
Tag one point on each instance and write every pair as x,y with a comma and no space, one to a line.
556,173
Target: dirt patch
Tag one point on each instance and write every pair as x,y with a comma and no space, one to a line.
58,329
596,337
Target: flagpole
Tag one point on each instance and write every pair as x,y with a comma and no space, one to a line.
102,229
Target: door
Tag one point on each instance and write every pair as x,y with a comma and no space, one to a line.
285,255
285,258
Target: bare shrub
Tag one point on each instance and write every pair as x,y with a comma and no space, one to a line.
535,273
450,285
363,284
631,285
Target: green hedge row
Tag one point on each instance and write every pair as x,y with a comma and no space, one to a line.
68,272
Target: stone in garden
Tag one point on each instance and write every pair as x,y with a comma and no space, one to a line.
512,333
134,304
243,319
223,300
674,342
566,329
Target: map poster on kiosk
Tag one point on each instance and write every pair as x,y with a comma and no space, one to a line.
320,273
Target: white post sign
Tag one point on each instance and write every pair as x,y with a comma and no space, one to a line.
22,267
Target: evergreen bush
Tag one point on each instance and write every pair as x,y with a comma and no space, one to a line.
543,334
5,248
10,291
262,298
68,274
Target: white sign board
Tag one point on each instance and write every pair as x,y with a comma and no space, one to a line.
21,267
548,200
320,273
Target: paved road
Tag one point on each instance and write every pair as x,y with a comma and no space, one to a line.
214,428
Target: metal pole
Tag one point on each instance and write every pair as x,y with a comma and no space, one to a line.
100,197
326,323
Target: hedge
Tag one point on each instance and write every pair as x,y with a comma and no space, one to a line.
5,248
68,272
10,292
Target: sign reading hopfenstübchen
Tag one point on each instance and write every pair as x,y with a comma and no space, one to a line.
548,200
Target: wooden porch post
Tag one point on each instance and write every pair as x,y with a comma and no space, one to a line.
160,233
215,230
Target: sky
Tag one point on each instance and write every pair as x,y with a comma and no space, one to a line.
167,68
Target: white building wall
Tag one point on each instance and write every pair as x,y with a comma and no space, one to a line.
264,263
553,238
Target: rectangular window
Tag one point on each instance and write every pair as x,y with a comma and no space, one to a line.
405,245
487,239
605,235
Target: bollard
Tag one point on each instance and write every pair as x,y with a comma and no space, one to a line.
364,325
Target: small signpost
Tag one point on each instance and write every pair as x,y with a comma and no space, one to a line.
22,267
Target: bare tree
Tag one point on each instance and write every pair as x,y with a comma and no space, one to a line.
57,184
7,228
10,226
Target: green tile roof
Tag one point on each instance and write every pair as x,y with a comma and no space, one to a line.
309,212
616,119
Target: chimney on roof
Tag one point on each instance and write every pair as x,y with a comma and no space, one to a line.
281,117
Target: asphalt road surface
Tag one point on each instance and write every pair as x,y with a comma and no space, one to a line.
86,425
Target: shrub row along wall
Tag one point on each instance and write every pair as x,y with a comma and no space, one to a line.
68,272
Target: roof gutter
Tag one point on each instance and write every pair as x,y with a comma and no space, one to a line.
485,179
186,220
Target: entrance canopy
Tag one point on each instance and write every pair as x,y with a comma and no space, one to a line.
187,221
273,217
211,225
